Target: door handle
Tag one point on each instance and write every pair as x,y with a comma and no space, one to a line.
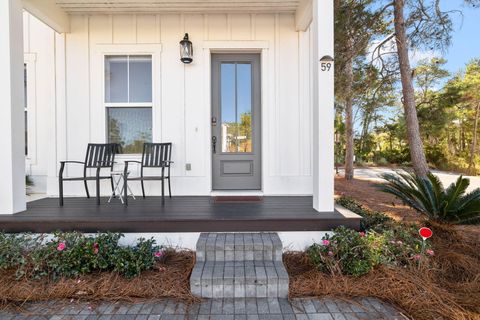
214,144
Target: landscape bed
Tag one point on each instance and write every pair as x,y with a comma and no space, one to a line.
443,283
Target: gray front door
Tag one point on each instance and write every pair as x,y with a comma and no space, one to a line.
236,122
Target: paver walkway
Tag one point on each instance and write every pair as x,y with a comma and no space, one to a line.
214,309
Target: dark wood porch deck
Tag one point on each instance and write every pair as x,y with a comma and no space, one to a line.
179,214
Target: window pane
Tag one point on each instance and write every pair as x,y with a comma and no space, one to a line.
25,87
116,79
227,94
244,107
140,74
130,127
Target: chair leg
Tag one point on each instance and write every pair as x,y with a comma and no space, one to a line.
169,188
98,191
125,192
143,189
60,190
86,188
163,191
113,187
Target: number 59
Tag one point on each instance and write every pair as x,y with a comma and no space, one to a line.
325,66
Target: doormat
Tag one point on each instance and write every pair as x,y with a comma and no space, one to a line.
237,199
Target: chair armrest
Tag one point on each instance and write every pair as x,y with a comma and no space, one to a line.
77,162
125,168
62,166
128,161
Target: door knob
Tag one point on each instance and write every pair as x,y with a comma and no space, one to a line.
214,144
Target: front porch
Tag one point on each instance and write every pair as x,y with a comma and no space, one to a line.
179,214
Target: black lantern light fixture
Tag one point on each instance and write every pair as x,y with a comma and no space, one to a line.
186,50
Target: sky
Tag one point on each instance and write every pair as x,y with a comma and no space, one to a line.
465,39
465,45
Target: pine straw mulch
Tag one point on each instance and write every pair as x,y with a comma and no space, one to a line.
366,192
169,279
448,290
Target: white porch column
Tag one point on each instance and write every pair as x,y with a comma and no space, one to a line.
12,125
323,106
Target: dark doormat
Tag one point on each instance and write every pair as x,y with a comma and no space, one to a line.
237,199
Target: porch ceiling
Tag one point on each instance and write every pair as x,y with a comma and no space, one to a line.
55,13
178,6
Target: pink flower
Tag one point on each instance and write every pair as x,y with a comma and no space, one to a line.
61,246
417,257
399,242
326,242
96,247
430,252
158,254
330,253
362,234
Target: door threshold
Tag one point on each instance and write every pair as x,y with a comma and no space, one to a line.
219,193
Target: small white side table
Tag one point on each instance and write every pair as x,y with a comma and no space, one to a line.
119,185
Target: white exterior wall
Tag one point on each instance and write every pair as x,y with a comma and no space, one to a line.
39,48
69,109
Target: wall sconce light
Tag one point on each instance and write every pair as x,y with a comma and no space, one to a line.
186,50
326,58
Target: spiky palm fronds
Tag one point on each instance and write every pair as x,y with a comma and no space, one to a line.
429,197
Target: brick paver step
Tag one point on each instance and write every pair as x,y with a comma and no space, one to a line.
239,265
239,247
239,279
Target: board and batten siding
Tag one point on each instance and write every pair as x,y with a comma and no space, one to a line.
181,93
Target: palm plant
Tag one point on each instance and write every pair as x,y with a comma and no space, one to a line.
429,197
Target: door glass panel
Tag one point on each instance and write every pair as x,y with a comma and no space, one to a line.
236,107
228,114
244,107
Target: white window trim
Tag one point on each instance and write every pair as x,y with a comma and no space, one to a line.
100,51
30,61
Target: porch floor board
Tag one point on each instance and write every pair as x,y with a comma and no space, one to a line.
179,214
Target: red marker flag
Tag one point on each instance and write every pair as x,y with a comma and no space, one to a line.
425,233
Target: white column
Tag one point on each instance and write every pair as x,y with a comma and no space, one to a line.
12,126
323,106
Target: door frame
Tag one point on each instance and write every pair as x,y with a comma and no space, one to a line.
266,63
254,157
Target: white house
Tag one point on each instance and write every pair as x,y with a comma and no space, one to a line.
110,71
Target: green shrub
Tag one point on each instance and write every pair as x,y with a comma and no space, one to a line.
383,241
346,252
73,254
429,197
349,252
373,220
132,261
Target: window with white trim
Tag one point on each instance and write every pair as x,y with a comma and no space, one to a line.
128,101
25,101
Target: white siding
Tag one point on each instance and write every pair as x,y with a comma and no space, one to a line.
40,58
182,112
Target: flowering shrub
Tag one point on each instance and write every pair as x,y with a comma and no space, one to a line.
383,241
72,254
346,252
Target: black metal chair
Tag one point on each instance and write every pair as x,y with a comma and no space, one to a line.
155,155
99,155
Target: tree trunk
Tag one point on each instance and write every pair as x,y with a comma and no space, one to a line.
413,131
349,115
471,164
